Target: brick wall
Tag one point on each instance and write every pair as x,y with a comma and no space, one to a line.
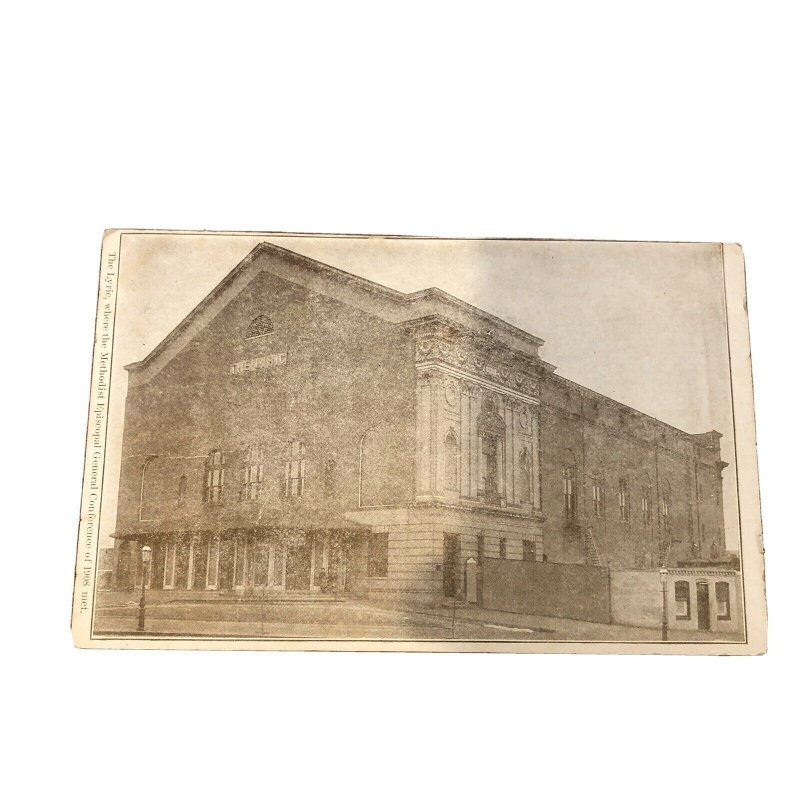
604,440
345,371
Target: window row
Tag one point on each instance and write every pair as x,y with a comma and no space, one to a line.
683,603
252,475
598,498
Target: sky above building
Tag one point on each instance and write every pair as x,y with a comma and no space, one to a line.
643,323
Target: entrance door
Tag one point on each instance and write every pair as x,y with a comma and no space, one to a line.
450,566
703,612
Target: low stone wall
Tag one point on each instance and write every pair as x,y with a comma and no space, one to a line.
621,597
636,598
572,591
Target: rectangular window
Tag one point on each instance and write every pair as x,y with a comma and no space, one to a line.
253,473
212,567
319,562
722,591
598,501
259,556
502,547
647,514
378,555
295,470
239,560
624,513
569,492
682,600
215,478
169,564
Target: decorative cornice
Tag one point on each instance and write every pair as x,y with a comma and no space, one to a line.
432,369
460,358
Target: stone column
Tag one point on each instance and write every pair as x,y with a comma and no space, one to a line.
438,430
424,450
466,442
475,444
510,455
536,459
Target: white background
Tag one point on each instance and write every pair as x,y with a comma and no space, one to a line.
596,120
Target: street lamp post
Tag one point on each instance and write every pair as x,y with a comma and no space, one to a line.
662,573
146,556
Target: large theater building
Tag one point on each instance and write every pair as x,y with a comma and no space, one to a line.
307,430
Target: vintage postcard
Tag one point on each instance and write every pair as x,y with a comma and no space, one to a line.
332,442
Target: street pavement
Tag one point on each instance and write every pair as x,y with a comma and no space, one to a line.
117,613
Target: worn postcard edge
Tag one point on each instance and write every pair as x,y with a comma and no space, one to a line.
751,542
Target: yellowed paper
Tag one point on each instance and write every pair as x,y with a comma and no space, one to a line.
393,443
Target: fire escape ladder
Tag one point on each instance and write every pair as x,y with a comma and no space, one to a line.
590,547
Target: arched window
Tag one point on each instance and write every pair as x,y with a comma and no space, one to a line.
525,476
253,472
182,483
215,478
491,435
260,326
624,500
451,453
295,469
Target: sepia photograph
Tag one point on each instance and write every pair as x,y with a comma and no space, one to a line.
389,442
382,389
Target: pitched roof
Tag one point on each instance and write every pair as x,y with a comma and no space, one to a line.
390,304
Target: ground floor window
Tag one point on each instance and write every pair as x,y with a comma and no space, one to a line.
170,557
682,602
239,560
722,591
502,547
319,573
259,555
212,566
378,555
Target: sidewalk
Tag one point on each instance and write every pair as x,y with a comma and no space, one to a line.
356,618
555,627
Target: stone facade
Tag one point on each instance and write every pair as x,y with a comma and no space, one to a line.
306,430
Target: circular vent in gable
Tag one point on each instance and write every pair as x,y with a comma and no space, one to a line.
260,326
